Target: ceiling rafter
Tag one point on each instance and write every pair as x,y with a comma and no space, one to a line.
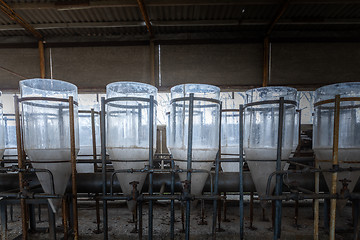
146,17
8,11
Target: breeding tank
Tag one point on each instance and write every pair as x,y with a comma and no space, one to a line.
46,129
86,127
261,133
205,141
128,128
349,131
230,129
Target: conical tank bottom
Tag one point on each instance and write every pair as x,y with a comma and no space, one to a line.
344,154
138,158
264,164
51,159
197,179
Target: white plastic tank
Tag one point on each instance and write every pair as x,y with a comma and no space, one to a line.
261,133
46,129
205,131
349,131
86,138
127,132
230,129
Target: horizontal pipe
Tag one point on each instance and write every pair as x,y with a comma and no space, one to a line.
228,182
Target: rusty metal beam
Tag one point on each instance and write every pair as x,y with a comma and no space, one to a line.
145,16
8,11
281,11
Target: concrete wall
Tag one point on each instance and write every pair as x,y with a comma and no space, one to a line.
91,68
24,62
231,64
314,63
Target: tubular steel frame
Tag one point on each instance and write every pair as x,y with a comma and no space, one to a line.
27,197
185,196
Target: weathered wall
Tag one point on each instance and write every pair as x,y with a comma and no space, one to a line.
230,64
91,68
314,63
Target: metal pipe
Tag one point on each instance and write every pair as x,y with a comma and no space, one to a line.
151,164
73,167
217,168
93,136
335,163
316,203
21,164
278,188
189,163
42,58
64,218
103,166
241,164
172,211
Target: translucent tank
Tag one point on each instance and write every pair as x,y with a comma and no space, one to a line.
128,131
230,130
46,129
261,133
205,131
86,141
349,131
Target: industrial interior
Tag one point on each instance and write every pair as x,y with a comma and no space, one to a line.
179,119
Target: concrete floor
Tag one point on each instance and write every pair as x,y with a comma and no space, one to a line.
120,228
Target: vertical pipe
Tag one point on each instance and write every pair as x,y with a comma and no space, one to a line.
172,217
103,167
93,135
140,220
64,218
52,223
32,219
21,164
3,210
217,168
241,163
278,190
335,163
266,62
316,202
73,167
42,58
189,163
151,164
152,62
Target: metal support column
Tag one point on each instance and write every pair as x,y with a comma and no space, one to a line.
189,164
278,189
241,163
103,166
151,165
335,163
73,167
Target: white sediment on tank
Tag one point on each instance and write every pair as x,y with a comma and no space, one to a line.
205,158
129,154
261,134
349,133
205,139
46,128
128,126
61,171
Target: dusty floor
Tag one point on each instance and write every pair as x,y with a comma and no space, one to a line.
120,228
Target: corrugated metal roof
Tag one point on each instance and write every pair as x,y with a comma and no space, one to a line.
122,20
